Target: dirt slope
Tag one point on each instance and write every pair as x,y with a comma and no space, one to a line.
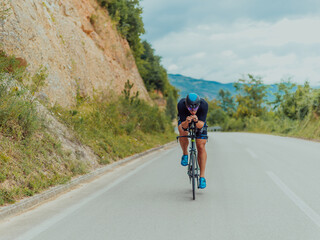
81,55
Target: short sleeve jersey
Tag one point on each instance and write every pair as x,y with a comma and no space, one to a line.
183,111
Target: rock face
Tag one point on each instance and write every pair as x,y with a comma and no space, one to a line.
77,42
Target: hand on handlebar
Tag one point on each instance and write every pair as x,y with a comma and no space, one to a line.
194,118
189,119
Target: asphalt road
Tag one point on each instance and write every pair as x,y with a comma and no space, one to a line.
258,187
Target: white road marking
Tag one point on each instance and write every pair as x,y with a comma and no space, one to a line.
252,153
298,201
50,222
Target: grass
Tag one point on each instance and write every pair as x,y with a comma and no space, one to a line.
32,165
119,127
306,129
31,159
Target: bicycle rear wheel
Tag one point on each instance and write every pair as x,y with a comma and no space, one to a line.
193,175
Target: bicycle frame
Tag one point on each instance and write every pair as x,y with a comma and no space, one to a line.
193,167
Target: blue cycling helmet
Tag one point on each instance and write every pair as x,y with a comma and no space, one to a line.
192,100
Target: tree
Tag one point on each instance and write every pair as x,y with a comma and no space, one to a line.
127,15
171,109
250,97
151,70
304,100
284,90
217,116
316,102
294,105
226,102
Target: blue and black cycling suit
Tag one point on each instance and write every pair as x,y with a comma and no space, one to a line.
183,113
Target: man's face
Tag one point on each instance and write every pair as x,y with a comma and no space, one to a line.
193,111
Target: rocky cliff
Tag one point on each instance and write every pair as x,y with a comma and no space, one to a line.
78,44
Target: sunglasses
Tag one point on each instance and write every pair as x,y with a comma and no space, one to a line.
193,109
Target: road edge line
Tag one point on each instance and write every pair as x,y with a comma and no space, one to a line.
302,205
28,203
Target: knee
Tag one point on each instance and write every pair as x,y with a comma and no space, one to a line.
201,148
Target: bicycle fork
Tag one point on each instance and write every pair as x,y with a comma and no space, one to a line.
193,160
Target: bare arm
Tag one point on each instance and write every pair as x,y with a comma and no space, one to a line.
199,124
185,124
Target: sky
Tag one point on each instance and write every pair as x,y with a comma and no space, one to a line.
224,40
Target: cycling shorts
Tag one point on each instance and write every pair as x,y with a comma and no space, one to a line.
200,133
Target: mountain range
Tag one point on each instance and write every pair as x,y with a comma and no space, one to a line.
207,89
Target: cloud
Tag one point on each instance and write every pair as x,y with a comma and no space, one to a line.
173,68
223,52
162,17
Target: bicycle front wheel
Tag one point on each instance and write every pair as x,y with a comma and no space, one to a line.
193,175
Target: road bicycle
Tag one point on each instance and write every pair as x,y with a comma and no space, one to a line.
193,166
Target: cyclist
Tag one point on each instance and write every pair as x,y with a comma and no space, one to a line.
193,108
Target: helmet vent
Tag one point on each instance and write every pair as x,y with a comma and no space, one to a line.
193,97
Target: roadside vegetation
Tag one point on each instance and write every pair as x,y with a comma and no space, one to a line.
294,111
31,159
118,126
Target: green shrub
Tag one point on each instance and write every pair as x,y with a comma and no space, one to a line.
34,165
6,196
12,66
18,116
118,127
31,159
216,116
234,125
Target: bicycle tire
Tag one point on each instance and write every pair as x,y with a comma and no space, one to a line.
193,176
197,171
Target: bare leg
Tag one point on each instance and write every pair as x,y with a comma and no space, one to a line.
184,142
202,155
